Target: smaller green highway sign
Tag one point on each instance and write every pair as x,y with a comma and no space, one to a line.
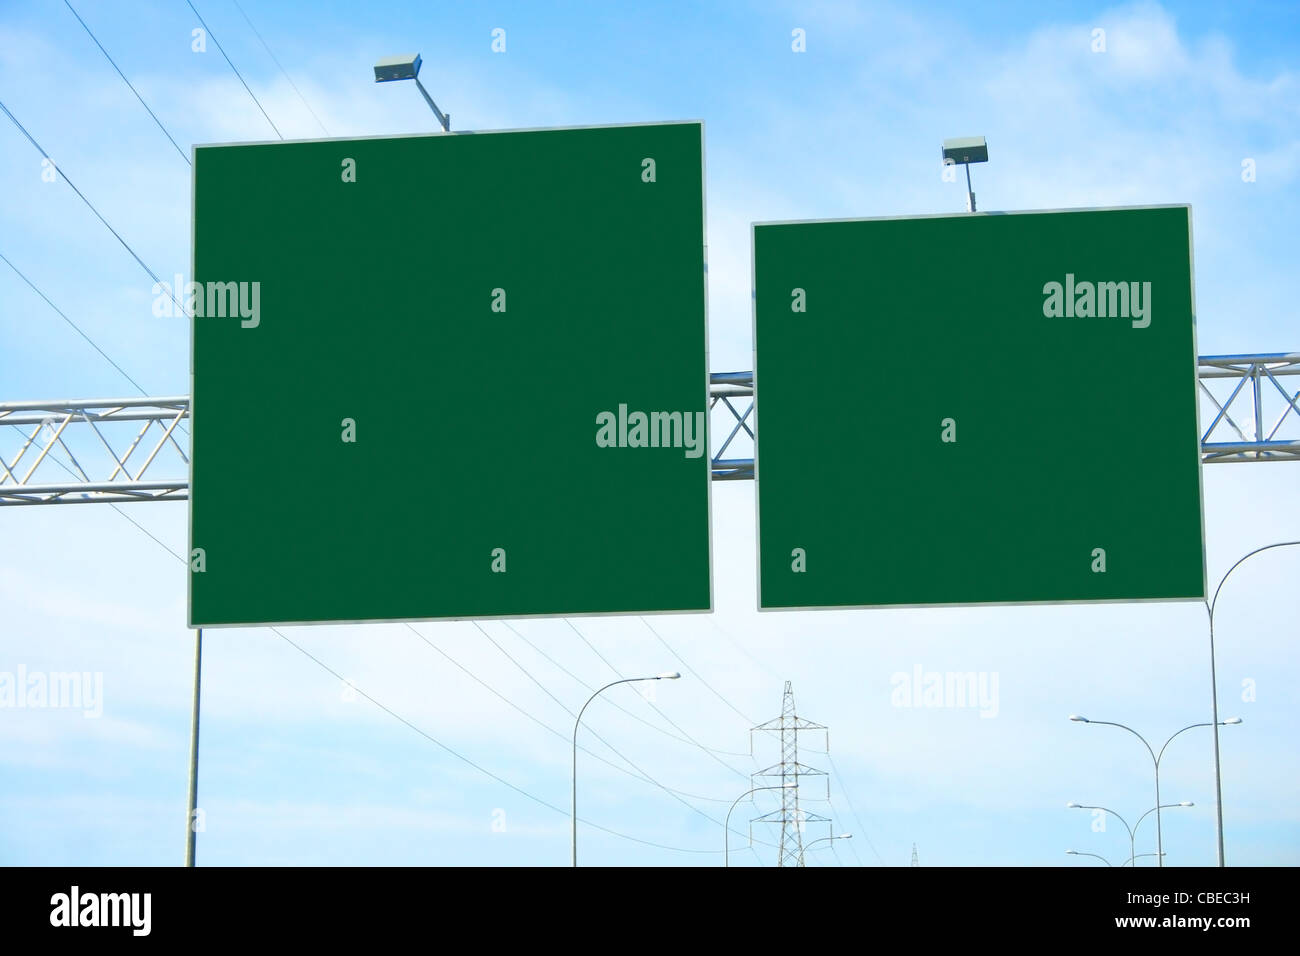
977,409
450,376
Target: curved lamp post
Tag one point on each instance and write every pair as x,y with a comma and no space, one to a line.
1155,760
1097,856
807,847
667,675
1132,830
1214,690
726,826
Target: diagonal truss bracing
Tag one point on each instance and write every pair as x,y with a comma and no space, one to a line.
1268,411
96,450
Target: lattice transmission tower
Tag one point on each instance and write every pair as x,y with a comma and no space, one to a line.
915,860
791,816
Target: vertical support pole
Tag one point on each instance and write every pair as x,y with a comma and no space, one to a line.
1160,835
970,193
573,805
1214,710
194,750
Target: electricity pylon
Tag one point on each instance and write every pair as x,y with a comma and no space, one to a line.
790,816
915,861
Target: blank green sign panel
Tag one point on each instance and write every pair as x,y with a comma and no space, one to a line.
450,376
977,409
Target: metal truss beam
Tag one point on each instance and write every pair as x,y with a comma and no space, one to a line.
137,449
1266,400
734,393
80,451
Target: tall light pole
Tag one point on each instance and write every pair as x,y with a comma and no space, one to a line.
667,675
726,826
407,67
809,846
1160,853
1155,760
1214,691
191,833
1132,830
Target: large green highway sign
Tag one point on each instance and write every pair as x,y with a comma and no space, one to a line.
977,409
450,376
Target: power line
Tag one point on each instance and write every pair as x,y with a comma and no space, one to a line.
843,781
847,799
617,673
677,794
570,712
443,746
738,646
78,329
128,82
40,149
852,848
392,713
542,687
695,672
791,817
614,703
157,282
145,531
466,760
639,775
643,775
179,557
567,710
826,752
74,325
282,69
233,67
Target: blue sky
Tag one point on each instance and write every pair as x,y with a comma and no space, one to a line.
294,770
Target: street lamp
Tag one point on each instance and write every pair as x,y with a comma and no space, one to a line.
667,675
1132,830
1214,690
407,67
965,150
809,846
726,826
1078,853
1138,857
1155,759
